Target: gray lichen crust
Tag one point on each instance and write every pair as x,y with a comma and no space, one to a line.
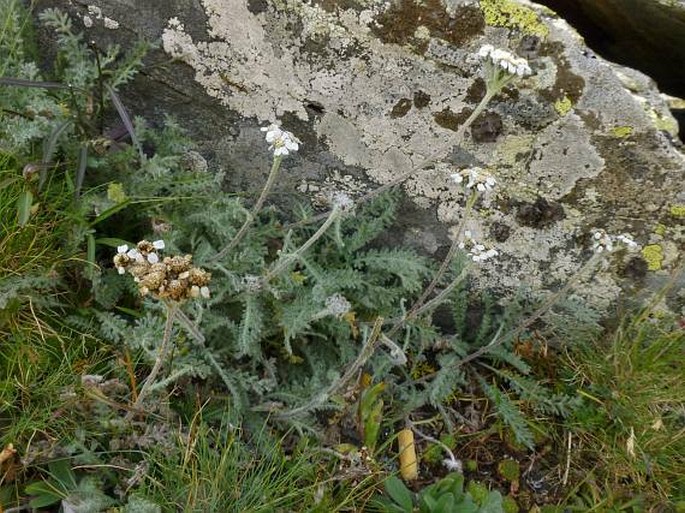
379,87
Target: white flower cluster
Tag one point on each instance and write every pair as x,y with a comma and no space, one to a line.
476,251
337,305
481,180
282,142
342,201
251,283
602,241
505,60
136,256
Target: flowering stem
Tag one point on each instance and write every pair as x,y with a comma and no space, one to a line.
498,339
255,210
171,310
364,355
444,447
459,139
200,341
416,308
288,259
489,94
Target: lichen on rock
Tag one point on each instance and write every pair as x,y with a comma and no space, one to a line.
373,95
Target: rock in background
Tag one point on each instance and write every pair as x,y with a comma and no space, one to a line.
373,88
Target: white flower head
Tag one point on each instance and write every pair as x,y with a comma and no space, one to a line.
628,241
342,201
281,142
337,305
477,177
603,242
504,61
134,254
251,283
476,251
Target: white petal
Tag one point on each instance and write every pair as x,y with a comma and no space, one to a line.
158,244
204,292
152,258
485,50
467,233
121,270
122,249
480,187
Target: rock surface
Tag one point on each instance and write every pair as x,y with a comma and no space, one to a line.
373,88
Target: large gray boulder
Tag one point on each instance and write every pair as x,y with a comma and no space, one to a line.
372,88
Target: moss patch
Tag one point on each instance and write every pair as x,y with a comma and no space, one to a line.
506,13
677,210
653,255
563,105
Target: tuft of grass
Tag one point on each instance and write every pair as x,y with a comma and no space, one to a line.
220,469
630,432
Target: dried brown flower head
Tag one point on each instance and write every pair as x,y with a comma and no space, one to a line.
172,278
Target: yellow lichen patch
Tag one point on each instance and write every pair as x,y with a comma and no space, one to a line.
622,131
563,106
677,210
506,13
665,123
512,146
653,255
660,230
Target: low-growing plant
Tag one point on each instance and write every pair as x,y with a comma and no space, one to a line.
276,315
445,496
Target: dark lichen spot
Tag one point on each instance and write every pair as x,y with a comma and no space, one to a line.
567,84
476,91
500,231
448,119
401,108
315,109
257,6
399,23
487,127
635,269
540,214
421,99
528,47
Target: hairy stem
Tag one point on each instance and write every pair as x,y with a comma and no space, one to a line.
171,310
498,339
253,213
417,307
288,259
200,342
365,353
